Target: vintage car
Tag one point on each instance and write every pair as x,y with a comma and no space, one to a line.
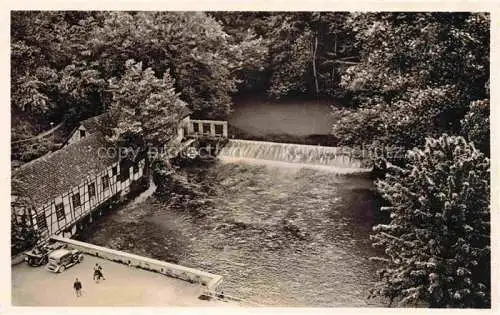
61,259
39,255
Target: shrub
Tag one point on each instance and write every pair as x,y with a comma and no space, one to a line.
476,125
438,239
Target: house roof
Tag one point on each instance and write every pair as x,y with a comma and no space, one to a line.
55,173
93,124
185,112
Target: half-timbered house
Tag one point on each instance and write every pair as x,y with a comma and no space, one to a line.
59,192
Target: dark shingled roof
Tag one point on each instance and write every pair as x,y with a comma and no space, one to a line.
185,112
56,173
93,124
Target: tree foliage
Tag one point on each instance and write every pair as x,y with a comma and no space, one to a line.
438,238
301,43
146,110
290,39
62,62
22,233
417,75
476,125
202,58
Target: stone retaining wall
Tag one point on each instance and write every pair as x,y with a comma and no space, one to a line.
210,281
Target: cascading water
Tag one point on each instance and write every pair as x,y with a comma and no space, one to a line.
337,159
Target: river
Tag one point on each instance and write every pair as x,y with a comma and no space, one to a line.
296,118
279,236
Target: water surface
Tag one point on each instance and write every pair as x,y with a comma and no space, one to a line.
279,236
299,118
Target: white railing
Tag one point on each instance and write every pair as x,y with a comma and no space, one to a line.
207,128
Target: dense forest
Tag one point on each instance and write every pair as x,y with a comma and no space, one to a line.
400,76
402,79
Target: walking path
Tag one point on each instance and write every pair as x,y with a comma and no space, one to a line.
40,135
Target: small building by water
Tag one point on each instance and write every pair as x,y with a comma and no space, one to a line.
58,193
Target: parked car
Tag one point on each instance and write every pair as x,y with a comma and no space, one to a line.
61,259
39,255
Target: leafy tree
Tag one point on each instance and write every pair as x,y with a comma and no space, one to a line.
82,87
406,122
44,45
23,235
146,109
416,50
476,125
438,239
418,73
308,51
202,58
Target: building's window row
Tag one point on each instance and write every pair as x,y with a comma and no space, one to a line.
41,221
60,211
105,182
76,200
91,188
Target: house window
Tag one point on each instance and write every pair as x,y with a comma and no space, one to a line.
76,200
60,211
136,168
41,221
206,128
125,168
105,182
114,170
82,133
219,129
91,190
124,174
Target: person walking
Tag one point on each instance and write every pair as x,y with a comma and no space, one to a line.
98,273
77,285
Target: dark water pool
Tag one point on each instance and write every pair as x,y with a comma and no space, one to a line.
299,118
